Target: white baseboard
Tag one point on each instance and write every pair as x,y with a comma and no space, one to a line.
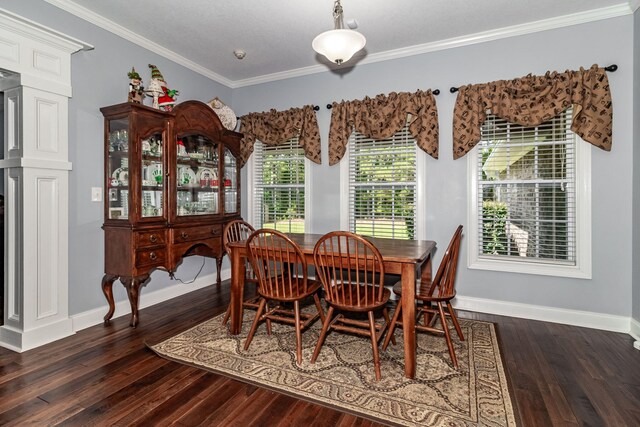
23,340
635,329
147,299
607,322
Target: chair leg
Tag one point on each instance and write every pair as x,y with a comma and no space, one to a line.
447,335
225,319
454,318
323,334
254,326
392,328
319,307
385,313
374,345
296,309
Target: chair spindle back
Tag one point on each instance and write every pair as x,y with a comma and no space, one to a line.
350,269
445,278
278,263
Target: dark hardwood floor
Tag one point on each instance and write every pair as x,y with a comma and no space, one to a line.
559,376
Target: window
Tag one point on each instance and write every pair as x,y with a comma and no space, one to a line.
380,186
278,181
530,210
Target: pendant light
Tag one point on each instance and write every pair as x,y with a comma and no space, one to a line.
339,44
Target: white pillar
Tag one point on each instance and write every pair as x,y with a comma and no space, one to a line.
36,167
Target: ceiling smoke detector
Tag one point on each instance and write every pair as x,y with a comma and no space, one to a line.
239,53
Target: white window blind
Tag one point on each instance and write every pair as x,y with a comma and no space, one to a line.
279,186
382,186
526,186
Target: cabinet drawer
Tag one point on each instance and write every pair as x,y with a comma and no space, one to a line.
150,238
151,256
190,234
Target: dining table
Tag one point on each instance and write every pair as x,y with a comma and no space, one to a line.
410,259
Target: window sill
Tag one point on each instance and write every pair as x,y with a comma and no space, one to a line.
513,266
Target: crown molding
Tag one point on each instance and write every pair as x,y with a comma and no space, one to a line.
497,34
35,31
106,24
622,9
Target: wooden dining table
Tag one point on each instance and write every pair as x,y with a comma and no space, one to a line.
408,258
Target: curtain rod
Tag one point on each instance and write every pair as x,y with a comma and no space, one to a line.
611,68
435,92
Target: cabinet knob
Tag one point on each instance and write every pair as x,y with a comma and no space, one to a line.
214,231
153,256
184,235
153,238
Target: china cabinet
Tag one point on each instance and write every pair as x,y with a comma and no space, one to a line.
172,181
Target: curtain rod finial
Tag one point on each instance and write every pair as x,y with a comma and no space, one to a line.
453,89
436,92
611,68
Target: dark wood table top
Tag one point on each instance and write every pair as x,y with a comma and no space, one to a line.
392,250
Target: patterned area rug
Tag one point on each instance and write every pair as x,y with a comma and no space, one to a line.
343,376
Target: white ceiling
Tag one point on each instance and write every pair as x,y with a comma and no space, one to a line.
277,34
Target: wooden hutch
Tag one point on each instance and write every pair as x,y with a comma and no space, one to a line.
173,182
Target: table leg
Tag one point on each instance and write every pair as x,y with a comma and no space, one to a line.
237,290
409,318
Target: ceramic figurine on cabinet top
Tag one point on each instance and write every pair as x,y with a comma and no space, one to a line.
225,113
136,90
163,97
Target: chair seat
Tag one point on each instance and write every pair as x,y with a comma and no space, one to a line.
397,289
295,292
354,306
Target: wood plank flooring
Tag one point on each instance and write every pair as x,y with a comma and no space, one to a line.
559,376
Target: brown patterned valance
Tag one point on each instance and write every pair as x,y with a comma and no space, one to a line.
533,100
276,127
383,116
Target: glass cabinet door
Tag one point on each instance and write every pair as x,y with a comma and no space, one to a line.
152,176
230,182
118,169
197,180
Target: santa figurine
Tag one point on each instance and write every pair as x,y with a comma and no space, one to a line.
136,90
163,97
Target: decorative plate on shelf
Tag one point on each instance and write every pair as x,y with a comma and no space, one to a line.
207,177
186,177
122,175
226,114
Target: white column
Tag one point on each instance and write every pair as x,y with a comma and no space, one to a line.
37,87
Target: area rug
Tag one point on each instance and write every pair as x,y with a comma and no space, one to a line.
476,394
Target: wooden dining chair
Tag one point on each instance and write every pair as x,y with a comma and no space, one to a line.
439,292
281,270
352,274
235,231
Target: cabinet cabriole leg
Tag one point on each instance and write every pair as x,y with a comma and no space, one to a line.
107,290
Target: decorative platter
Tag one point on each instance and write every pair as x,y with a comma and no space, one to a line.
122,175
207,177
186,177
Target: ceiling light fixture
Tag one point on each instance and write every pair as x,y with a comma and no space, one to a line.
339,44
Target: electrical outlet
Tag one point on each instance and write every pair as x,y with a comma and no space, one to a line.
96,194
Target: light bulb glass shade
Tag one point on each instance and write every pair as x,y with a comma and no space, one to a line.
338,45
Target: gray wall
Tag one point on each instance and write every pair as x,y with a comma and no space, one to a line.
636,172
99,78
604,42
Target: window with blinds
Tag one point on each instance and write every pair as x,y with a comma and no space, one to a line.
526,187
279,186
382,186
